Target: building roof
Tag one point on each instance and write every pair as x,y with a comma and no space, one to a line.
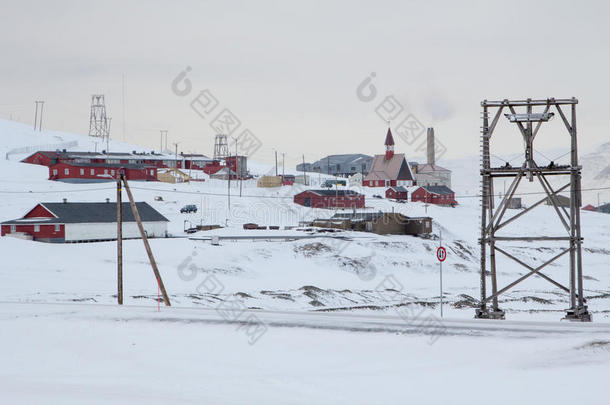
372,216
603,208
398,189
344,159
438,189
90,212
431,168
65,154
426,177
389,139
395,168
106,165
333,193
224,171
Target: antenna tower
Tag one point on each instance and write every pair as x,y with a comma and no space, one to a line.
221,147
99,123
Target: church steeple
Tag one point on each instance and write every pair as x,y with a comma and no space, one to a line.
389,145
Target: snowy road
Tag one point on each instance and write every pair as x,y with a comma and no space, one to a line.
100,354
403,323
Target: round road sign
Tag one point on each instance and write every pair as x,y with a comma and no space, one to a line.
441,254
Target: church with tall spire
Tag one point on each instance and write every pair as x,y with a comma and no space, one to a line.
390,169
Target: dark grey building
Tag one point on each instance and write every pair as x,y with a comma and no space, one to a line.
339,165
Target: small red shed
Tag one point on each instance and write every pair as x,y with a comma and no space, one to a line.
397,193
588,207
441,195
330,199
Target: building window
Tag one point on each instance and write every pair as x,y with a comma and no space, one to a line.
13,228
36,228
92,172
66,171
152,172
82,172
54,172
105,171
57,227
112,172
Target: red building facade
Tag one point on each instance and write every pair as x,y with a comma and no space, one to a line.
330,199
441,195
397,193
88,173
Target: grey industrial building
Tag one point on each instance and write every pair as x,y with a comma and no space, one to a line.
339,165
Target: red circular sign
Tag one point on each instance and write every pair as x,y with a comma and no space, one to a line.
441,254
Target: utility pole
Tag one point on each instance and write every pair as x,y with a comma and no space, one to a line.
36,115
276,163
119,239
283,167
228,169
108,136
440,264
123,102
163,133
41,108
38,120
176,148
304,172
238,168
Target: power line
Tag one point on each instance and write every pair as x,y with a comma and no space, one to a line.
250,196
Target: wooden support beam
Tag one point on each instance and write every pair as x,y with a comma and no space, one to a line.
554,203
531,273
511,219
527,266
521,103
151,258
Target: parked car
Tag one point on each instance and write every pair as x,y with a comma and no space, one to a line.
333,183
188,208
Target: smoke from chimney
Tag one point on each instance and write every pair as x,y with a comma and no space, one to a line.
430,146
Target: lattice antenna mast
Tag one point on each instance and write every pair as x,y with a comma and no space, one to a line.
528,123
221,147
99,123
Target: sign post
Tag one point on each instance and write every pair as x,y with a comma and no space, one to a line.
441,255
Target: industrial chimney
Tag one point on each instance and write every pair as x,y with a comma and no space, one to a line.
430,146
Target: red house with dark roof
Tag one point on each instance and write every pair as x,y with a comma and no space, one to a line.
397,193
441,195
330,199
84,222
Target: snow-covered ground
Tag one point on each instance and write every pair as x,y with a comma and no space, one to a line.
62,334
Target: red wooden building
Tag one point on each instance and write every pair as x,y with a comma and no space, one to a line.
330,199
98,165
92,172
84,222
397,193
441,195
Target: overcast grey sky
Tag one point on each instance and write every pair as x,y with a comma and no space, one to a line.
289,70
